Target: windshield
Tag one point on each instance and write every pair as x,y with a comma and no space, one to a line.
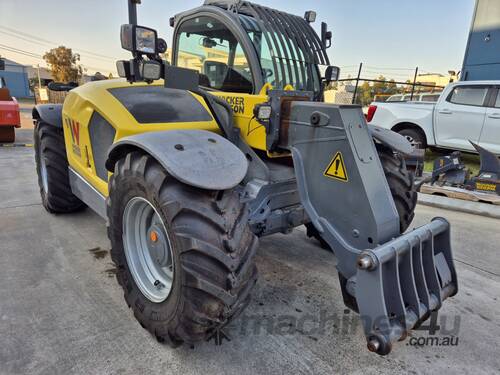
208,46
283,60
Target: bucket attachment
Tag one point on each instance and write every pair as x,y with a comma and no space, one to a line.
393,280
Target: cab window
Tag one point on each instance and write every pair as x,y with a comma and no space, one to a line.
208,46
497,100
468,95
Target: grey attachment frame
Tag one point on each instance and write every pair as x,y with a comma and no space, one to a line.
394,281
198,158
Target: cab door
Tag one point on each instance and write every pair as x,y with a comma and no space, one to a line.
460,116
490,135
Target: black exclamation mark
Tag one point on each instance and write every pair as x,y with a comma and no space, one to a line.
337,163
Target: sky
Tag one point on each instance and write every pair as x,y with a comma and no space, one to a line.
390,37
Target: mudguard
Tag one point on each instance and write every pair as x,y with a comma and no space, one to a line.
195,157
49,113
391,139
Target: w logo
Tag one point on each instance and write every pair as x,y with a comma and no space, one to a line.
74,127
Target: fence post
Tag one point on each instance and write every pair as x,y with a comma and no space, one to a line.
357,83
414,82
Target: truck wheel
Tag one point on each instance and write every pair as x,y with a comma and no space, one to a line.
52,170
185,256
401,183
415,137
7,134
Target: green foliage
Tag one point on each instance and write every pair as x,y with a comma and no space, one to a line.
367,92
63,64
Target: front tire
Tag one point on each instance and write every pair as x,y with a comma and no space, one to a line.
401,181
211,247
52,169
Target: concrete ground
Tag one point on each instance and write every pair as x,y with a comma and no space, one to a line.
62,312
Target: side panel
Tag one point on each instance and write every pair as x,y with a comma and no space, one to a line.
96,99
252,131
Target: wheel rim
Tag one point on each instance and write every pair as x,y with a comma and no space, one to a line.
413,142
148,249
43,173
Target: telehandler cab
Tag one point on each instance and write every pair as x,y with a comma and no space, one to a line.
191,162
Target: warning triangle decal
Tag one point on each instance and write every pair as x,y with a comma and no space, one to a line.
336,168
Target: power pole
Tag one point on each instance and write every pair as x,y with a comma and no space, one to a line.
39,79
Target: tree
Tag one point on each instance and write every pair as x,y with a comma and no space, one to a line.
63,64
365,94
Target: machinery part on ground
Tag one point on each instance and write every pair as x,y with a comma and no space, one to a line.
50,114
7,134
449,170
206,235
488,178
52,170
415,137
401,184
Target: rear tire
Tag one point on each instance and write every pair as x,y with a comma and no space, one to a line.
403,191
210,242
52,169
7,134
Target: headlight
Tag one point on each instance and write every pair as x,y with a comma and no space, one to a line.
263,112
151,70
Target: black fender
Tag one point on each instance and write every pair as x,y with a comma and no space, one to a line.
48,113
391,139
198,158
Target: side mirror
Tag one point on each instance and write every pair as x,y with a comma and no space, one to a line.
139,39
2,64
332,74
326,36
59,86
209,43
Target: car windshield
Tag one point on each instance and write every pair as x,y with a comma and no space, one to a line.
283,61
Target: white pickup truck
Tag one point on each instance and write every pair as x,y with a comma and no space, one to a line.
468,110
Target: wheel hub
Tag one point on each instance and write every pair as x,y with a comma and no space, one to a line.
148,249
158,245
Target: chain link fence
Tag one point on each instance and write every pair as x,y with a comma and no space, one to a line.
363,90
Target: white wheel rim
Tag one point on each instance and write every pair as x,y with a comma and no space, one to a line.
148,249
